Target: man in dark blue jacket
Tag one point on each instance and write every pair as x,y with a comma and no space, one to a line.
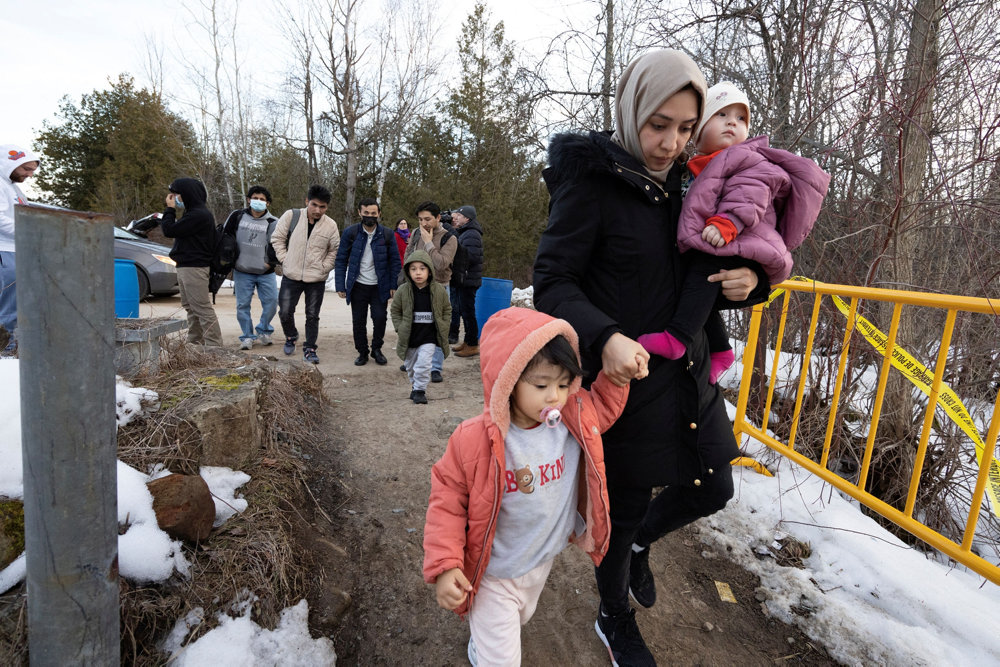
365,272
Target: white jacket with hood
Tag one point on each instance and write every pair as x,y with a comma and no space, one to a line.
12,157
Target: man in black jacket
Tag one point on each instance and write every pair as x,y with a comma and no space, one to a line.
470,236
194,245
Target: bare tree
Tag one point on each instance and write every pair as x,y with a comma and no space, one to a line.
374,81
574,81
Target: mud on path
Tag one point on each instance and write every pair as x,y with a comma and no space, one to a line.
371,480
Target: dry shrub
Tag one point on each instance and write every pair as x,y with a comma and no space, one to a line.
254,551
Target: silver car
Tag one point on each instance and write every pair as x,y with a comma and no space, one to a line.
156,271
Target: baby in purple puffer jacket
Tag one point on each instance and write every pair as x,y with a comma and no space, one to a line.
748,202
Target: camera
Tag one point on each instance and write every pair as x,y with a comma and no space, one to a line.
446,217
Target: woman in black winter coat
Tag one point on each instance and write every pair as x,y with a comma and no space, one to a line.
608,263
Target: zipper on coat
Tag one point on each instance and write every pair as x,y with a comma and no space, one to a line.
493,517
590,462
645,177
305,248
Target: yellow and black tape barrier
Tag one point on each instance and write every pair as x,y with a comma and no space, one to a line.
922,379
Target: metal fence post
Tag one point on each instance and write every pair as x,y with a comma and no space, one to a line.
65,294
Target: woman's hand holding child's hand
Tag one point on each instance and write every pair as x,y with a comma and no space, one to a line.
623,359
452,588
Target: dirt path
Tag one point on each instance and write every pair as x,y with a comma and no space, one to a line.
372,480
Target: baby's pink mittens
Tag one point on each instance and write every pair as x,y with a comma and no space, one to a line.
663,344
720,362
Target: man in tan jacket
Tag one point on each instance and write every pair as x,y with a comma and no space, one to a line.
305,241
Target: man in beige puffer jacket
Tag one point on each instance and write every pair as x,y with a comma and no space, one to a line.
305,241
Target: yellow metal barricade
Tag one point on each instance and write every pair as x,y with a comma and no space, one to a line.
930,381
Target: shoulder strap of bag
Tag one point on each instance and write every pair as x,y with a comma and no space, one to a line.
296,213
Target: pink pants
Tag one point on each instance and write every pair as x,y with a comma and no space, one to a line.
500,608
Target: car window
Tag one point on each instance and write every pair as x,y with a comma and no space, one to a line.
122,234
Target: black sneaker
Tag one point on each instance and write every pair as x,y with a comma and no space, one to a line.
289,346
379,357
361,360
309,356
418,397
621,636
436,376
641,586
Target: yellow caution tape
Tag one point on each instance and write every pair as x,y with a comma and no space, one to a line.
753,464
922,378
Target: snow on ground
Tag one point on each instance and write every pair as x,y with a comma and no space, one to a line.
862,593
237,640
11,479
147,554
865,595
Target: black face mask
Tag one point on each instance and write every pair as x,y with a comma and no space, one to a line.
369,220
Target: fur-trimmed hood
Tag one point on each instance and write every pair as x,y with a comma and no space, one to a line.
572,154
510,339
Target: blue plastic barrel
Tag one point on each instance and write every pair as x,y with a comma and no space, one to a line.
126,289
493,295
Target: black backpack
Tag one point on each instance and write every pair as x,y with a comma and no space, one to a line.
460,263
223,259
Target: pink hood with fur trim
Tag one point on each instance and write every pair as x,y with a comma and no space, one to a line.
467,482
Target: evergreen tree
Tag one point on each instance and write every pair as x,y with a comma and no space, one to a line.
116,151
480,149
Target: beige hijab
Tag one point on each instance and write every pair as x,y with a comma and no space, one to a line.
647,83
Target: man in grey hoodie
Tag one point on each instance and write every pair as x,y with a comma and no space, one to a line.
252,228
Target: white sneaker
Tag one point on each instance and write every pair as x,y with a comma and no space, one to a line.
246,344
264,339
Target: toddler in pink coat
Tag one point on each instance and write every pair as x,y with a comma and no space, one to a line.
748,202
519,482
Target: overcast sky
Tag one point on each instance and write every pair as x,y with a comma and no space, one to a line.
72,47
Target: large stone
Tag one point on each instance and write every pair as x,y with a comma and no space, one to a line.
137,344
227,422
11,530
184,506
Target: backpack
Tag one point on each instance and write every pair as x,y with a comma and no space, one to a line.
460,263
223,259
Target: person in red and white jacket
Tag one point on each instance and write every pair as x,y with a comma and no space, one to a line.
18,165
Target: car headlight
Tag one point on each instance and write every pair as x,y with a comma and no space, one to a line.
165,260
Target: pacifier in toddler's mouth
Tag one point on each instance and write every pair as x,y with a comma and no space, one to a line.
550,417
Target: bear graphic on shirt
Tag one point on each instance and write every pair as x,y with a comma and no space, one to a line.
524,479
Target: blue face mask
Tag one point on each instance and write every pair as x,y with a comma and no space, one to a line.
177,202
258,205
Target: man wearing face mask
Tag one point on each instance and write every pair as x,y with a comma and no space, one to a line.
252,228
193,233
365,273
